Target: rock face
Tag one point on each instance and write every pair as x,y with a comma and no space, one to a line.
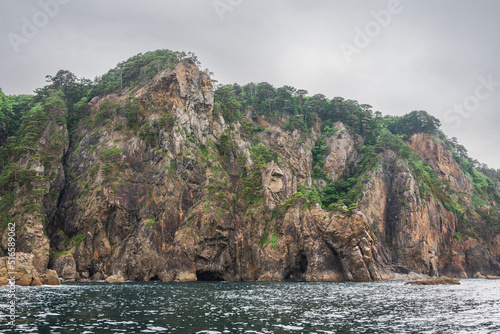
342,152
171,211
116,278
161,188
25,272
431,150
66,267
419,232
37,182
492,277
50,278
406,226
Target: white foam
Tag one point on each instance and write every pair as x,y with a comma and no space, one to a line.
158,329
290,328
43,315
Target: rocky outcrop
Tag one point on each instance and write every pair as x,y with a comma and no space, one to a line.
410,276
38,181
50,278
342,152
116,278
438,281
24,271
405,225
172,211
154,185
492,277
431,151
415,229
65,266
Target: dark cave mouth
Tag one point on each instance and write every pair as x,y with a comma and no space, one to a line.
208,276
298,273
155,279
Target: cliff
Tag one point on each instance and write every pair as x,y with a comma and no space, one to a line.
419,232
165,181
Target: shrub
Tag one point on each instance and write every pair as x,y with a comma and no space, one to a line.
151,222
167,121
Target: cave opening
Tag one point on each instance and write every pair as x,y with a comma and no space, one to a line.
298,272
339,264
208,276
154,279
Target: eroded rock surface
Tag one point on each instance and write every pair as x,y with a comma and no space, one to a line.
25,271
161,188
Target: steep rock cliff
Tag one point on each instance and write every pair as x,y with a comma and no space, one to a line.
418,231
35,180
172,207
156,184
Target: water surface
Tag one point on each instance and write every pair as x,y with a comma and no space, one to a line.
256,307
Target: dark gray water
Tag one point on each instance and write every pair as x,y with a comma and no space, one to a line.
234,307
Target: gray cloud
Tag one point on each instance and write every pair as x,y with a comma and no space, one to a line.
430,56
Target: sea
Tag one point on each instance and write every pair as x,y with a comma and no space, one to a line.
254,307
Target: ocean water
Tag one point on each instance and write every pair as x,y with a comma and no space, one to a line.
256,307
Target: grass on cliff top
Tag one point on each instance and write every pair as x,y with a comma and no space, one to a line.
138,70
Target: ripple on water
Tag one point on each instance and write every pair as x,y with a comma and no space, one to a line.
257,307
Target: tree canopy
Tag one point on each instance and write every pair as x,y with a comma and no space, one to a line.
303,111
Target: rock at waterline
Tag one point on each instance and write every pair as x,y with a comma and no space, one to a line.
25,272
50,278
438,281
479,275
117,278
492,277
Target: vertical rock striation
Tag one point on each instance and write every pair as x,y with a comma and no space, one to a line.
154,185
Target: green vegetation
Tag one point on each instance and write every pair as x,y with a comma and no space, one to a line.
264,99
133,111
112,162
251,179
227,103
167,121
318,152
151,222
22,132
12,110
138,70
376,134
73,241
414,122
34,134
57,254
70,243
483,178
463,236
266,240
111,155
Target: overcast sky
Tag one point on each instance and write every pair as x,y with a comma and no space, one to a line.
398,56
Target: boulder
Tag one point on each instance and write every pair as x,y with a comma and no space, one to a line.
116,278
25,272
97,277
50,278
478,275
65,266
